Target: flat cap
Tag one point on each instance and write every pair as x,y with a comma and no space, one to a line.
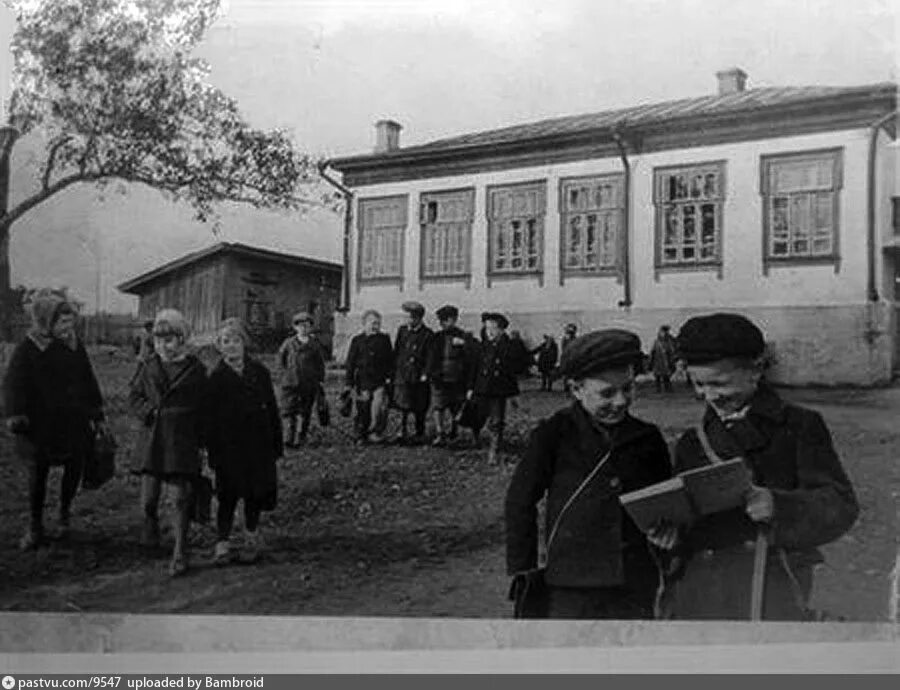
412,307
571,328
496,317
448,311
303,317
712,337
598,351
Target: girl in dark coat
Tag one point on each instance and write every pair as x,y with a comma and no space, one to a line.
599,564
168,397
53,405
244,441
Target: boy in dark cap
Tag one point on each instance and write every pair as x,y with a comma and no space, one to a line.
301,363
411,392
449,365
599,564
569,334
369,367
493,380
800,498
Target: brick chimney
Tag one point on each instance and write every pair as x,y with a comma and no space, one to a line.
731,81
387,136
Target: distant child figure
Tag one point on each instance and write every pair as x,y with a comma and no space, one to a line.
244,441
547,355
369,367
800,499
450,361
570,333
663,359
144,342
168,396
493,380
301,365
411,389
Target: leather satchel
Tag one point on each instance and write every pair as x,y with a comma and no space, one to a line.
529,591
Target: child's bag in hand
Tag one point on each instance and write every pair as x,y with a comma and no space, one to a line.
100,463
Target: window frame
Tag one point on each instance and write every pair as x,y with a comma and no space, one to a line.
564,213
766,162
715,264
361,280
539,185
425,197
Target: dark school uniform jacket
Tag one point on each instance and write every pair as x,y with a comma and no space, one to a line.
790,452
597,544
450,357
411,354
495,371
370,361
301,365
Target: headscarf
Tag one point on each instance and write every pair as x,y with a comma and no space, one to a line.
45,307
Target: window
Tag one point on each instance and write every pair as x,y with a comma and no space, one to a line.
446,220
590,219
689,203
800,205
895,214
516,228
382,224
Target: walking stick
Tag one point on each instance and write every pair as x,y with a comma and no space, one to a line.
760,557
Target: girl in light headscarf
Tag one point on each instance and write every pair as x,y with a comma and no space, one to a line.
244,441
169,398
53,404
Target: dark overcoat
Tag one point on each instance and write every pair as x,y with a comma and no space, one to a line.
54,386
790,451
597,544
301,365
172,415
495,375
244,433
450,358
547,356
370,361
662,356
411,354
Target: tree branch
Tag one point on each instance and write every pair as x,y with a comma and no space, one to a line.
42,196
51,160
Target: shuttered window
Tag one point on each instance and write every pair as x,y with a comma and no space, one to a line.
382,224
446,222
591,212
516,228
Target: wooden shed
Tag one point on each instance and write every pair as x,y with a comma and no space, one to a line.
263,287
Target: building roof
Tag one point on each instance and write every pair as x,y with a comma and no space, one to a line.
134,285
682,115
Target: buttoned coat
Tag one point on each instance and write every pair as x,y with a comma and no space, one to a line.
172,416
370,361
244,433
301,365
411,354
451,357
495,375
597,544
790,452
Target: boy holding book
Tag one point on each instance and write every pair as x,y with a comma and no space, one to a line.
599,564
799,496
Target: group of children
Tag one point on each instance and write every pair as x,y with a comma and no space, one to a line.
444,371
599,564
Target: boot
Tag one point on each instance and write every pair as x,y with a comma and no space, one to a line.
253,547
304,430
223,554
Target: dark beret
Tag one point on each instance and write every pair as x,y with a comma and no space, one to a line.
498,318
597,351
413,308
704,339
447,312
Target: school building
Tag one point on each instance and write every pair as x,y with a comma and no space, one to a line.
778,202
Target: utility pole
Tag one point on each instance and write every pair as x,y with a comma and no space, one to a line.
8,136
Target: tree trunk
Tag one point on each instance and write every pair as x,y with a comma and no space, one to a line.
6,305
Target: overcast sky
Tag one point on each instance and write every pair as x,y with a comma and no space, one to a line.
328,70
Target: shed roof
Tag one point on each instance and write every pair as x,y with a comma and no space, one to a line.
134,285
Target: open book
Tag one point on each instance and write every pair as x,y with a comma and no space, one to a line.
690,494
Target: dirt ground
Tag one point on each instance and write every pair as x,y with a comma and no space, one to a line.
401,531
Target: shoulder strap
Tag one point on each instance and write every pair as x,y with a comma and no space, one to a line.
575,495
714,457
